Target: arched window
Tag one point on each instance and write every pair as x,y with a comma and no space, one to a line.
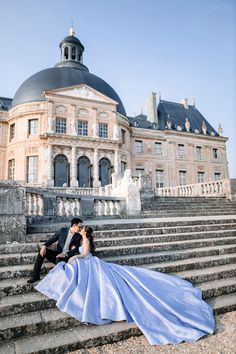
66,53
73,53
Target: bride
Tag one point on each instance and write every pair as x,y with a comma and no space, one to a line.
166,308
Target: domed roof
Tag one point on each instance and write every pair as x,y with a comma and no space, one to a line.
71,39
69,72
54,78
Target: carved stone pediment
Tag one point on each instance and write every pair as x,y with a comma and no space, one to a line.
83,91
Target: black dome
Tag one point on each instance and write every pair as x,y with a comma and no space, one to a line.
54,78
71,39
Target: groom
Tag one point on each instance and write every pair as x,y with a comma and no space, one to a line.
69,240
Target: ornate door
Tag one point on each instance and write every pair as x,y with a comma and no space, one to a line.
104,171
61,171
84,172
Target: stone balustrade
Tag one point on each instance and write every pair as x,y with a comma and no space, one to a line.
206,189
48,204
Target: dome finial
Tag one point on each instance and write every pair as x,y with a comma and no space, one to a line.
72,31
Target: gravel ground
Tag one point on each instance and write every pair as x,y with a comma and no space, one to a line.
223,341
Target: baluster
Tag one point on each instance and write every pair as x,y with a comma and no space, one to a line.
40,203
107,208
112,207
36,204
117,208
59,205
31,204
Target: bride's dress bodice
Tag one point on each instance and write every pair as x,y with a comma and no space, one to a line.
81,250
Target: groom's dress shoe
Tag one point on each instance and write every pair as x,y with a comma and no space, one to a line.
33,280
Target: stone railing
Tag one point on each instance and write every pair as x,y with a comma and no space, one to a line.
50,204
207,189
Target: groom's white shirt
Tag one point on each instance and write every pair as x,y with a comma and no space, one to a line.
67,243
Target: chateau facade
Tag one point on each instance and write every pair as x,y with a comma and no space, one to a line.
67,127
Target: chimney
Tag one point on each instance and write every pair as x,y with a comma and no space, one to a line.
152,108
184,102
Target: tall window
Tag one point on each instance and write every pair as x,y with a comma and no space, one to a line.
180,151
200,177
158,149
138,146
215,153
182,177
159,179
73,53
12,131
32,169
11,169
123,167
217,176
139,171
82,128
123,136
103,130
61,125
198,152
33,126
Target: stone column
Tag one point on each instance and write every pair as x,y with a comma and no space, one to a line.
73,125
73,181
95,123
50,120
50,174
96,182
117,166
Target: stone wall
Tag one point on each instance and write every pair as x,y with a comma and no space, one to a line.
12,212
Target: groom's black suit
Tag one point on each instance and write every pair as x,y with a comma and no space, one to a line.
51,255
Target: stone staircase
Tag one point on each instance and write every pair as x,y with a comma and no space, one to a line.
187,206
201,249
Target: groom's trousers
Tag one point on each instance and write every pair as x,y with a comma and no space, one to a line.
50,255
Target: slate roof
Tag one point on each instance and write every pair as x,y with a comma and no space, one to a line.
177,114
5,103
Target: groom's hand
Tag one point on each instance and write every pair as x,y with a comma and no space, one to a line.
42,251
61,255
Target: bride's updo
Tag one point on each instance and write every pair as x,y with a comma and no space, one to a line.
89,235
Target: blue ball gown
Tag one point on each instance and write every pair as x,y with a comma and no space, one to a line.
166,308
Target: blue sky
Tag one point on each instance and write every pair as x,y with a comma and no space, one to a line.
178,47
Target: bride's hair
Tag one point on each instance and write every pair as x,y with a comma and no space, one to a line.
89,234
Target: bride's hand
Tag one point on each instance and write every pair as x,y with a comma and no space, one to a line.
72,259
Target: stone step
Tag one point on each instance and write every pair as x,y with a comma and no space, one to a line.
55,334
19,271
67,340
142,239
20,285
18,304
42,321
208,274
138,222
192,263
163,246
155,257
140,232
24,250
128,246
186,213
218,287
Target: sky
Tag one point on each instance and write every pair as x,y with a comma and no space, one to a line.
182,48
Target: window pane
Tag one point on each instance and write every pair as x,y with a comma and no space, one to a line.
159,179
138,147
200,177
215,153
61,125
123,167
139,171
123,136
11,169
181,151
103,130
217,176
33,126
198,152
32,169
158,148
182,177
83,128
12,131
